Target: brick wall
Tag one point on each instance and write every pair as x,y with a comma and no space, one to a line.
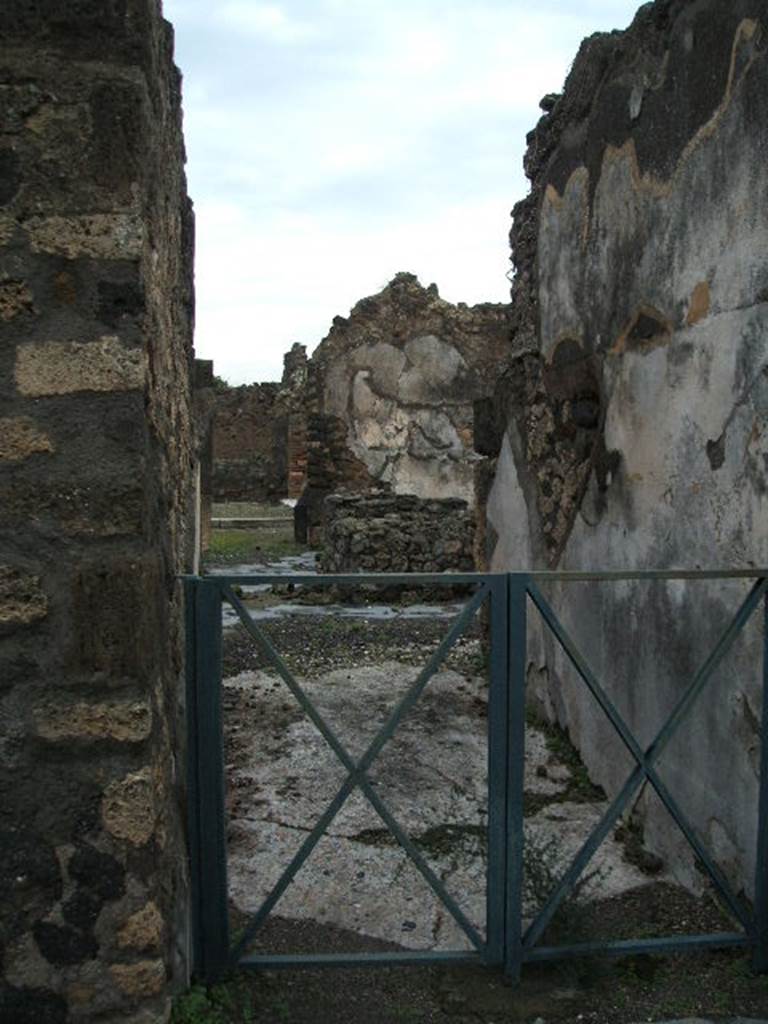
96,460
259,436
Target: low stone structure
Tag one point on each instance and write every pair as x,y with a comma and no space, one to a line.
631,423
97,462
396,533
390,394
260,437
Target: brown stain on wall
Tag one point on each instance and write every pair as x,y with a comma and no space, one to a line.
698,308
647,329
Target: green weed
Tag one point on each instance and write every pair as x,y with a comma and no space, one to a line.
231,546
229,1002
581,789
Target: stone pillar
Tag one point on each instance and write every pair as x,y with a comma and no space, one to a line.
95,468
204,406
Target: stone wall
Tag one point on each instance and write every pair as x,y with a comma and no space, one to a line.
96,456
260,437
629,429
246,438
396,533
390,392
204,406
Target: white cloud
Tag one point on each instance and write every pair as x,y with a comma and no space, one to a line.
334,142
267,20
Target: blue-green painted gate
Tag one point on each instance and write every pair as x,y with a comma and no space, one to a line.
506,943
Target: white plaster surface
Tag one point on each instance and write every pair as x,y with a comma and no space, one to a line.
409,414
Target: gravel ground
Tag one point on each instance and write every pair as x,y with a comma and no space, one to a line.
311,645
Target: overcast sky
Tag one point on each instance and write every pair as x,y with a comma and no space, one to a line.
333,143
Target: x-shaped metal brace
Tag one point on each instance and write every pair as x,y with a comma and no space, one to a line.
645,760
357,770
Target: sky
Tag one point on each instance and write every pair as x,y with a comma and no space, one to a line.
333,143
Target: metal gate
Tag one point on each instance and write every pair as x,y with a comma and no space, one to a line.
506,943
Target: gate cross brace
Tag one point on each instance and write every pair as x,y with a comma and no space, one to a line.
645,760
357,771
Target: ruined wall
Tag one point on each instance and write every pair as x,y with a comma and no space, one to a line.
260,437
391,390
636,410
396,533
203,407
246,437
96,460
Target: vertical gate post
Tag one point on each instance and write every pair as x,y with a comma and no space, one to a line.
760,950
206,784
498,755
513,959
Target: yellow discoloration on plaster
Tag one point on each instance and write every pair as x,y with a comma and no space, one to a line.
698,307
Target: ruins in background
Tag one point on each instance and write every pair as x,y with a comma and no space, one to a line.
260,436
385,403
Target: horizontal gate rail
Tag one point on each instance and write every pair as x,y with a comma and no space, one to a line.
507,596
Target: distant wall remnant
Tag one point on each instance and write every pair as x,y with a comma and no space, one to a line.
390,393
96,457
260,437
204,406
383,532
633,415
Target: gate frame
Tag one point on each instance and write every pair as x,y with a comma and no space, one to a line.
506,944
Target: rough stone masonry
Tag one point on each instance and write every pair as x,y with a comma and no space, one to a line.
96,462
384,532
